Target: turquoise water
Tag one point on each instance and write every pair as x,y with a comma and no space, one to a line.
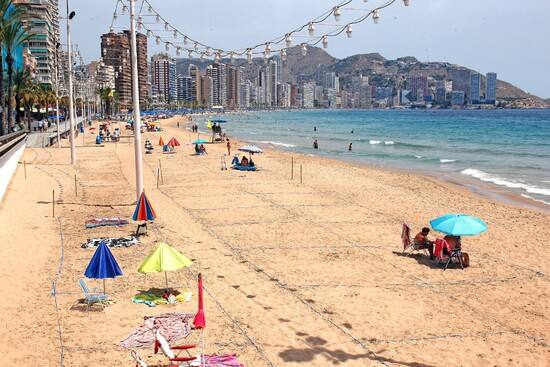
508,148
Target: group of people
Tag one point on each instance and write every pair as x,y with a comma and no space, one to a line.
316,143
421,241
194,128
200,149
244,161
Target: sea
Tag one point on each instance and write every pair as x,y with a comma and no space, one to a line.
509,149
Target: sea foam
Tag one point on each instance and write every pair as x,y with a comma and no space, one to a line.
484,176
447,160
389,142
286,145
374,142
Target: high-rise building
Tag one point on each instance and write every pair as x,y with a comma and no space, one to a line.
163,77
308,92
219,79
440,91
233,86
273,82
195,75
207,87
457,98
102,75
212,72
183,88
115,51
491,92
475,88
418,85
41,19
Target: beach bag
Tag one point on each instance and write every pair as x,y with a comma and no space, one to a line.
465,259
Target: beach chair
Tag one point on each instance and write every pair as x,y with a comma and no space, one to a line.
141,229
139,362
93,296
452,256
408,246
168,351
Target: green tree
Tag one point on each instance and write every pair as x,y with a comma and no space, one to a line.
13,35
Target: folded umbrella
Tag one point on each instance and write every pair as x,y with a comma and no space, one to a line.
103,265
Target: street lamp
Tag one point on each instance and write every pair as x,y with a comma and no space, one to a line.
71,110
135,98
57,93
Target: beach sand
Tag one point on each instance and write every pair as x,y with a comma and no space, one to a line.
307,274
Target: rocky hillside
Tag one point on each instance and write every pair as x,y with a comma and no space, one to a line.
381,71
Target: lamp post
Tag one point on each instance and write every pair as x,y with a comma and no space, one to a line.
57,93
71,106
135,98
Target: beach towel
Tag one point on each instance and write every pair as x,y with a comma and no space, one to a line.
173,326
99,222
151,299
111,241
225,360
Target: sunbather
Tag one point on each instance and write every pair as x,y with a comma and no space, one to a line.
421,241
202,149
244,161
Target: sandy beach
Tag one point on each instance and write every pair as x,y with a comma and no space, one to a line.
296,274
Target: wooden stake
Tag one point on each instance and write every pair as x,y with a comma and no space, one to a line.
292,168
158,176
53,203
75,186
300,174
161,176
25,168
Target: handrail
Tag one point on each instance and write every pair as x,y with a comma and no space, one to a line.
8,141
5,138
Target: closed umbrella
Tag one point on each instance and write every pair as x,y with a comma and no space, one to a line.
459,225
199,322
173,143
144,211
164,258
103,265
161,142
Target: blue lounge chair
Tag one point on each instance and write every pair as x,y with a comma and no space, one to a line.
91,297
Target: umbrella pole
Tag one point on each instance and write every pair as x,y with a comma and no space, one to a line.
103,286
202,348
166,278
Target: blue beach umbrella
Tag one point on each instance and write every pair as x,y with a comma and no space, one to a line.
103,265
201,141
459,225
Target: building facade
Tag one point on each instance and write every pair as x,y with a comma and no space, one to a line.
163,78
475,88
491,90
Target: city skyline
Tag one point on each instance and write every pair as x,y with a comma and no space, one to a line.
452,42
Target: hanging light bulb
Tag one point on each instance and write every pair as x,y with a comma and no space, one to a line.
202,55
167,46
111,30
158,40
232,57
158,18
150,9
149,33
185,40
190,53
365,1
267,50
175,33
196,46
249,56
406,2
139,22
283,54
124,9
208,51
304,49
349,30
115,16
166,26
288,40
178,51
266,57
325,41
311,29
218,57
375,16
337,13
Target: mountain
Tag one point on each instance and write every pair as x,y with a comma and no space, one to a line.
381,71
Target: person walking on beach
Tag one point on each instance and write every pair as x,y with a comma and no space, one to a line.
349,147
315,144
228,147
178,124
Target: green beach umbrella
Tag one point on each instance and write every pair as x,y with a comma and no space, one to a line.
164,258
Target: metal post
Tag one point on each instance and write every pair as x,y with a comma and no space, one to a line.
57,95
135,97
71,107
292,168
53,203
25,168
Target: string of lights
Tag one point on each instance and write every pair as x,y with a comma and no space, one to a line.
181,41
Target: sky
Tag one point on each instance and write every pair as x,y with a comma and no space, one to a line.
504,36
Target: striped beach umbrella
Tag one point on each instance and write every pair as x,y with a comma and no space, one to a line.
173,143
144,211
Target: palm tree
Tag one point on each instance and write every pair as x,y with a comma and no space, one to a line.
14,35
22,81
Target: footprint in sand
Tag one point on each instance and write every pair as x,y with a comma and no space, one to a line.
220,276
250,296
236,286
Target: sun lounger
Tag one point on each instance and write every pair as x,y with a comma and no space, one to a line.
91,297
444,253
409,246
162,344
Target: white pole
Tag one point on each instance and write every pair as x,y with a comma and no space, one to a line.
135,98
57,96
71,107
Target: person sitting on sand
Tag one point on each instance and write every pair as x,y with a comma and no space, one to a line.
421,242
202,149
197,149
235,160
244,161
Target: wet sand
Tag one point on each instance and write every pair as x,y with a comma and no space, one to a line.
307,274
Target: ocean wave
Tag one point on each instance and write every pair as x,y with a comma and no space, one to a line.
389,142
447,160
374,142
484,176
278,143
418,156
532,198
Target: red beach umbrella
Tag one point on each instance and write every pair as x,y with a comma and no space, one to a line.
173,143
144,211
200,321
